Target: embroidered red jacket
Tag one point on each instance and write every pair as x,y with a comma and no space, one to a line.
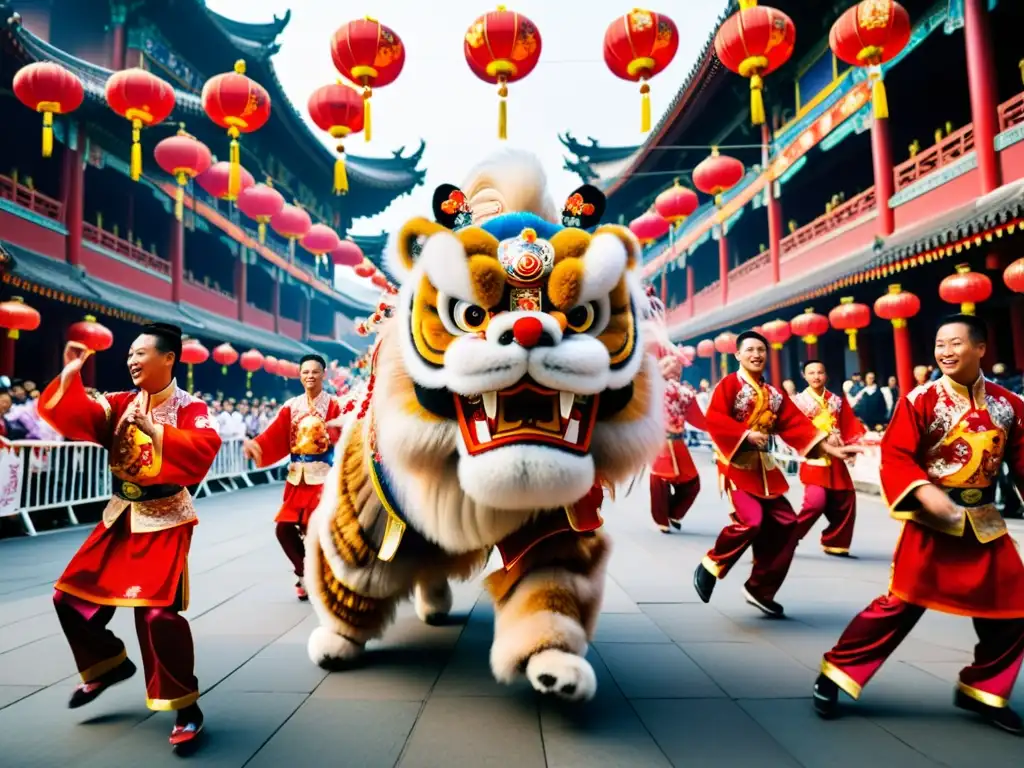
833,416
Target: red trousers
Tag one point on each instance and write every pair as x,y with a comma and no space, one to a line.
877,631
671,501
767,525
289,536
839,508
168,656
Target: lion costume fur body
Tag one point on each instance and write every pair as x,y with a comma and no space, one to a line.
458,506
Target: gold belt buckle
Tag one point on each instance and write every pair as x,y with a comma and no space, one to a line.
131,491
971,495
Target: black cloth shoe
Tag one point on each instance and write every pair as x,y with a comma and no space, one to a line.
1001,717
704,582
676,524
768,607
87,692
826,697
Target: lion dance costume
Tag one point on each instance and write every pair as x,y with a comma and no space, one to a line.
509,386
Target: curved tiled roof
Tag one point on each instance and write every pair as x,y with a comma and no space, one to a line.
259,39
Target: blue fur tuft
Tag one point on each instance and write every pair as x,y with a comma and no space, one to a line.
509,225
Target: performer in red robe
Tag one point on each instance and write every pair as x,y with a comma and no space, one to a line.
301,430
744,413
160,439
828,487
675,482
941,456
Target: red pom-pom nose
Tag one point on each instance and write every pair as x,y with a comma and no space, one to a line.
527,331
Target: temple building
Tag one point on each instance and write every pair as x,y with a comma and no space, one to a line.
837,206
78,236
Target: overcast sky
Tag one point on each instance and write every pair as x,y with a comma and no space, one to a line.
438,98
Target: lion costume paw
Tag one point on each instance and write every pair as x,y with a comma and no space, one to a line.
433,602
330,650
565,675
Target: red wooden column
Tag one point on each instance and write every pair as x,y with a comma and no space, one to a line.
7,355
73,194
881,160
240,282
775,365
723,264
774,212
118,15
275,301
176,250
689,289
1017,331
981,79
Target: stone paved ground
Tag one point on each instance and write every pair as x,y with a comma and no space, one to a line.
681,683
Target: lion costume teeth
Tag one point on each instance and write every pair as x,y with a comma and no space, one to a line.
509,387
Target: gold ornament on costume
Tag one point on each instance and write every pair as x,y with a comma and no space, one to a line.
311,436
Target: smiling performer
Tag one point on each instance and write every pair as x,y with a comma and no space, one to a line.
509,386
941,457
744,413
828,487
301,430
160,440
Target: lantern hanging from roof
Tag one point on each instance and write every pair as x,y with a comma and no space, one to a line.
51,89
897,306
143,98
183,157
216,181
270,364
369,53
502,47
91,334
260,202
716,174
676,203
706,348
193,353
637,46
754,42
809,326
965,288
366,269
225,355
851,317
17,316
320,240
725,343
777,332
347,254
291,223
250,362
240,105
1013,276
338,110
867,35
649,227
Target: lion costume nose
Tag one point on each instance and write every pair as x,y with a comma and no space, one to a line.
527,331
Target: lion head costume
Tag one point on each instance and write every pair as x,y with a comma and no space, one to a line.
510,386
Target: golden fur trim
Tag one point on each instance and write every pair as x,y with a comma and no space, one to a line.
573,552
554,600
365,614
346,533
413,230
629,242
488,280
565,283
570,244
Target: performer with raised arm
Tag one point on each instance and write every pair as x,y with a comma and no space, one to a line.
303,428
744,413
828,487
160,439
941,456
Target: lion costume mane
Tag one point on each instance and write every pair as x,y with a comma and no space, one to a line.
510,385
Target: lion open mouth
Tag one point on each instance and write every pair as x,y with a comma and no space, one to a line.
527,413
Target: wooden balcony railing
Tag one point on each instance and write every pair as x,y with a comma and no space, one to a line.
128,250
849,211
949,150
1011,112
216,290
750,266
29,198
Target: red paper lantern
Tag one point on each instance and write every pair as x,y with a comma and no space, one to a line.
91,334
676,203
716,174
371,54
320,240
270,364
501,47
867,35
260,202
637,46
347,254
183,157
965,288
338,110
216,181
51,89
143,98
240,105
250,362
851,317
649,228
777,332
225,355
366,269
17,316
291,222
898,306
809,326
725,343
754,42
706,348
193,353
1013,276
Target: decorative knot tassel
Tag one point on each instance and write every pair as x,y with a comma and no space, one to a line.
47,134
367,114
235,173
263,231
878,98
189,382
179,203
967,307
502,109
340,174
645,108
852,336
248,379
136,156
757,116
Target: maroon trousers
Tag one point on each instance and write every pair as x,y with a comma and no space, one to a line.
671,501
839,508
766,525
879,629
289,536
168,656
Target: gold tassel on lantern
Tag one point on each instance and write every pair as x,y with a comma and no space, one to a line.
645,108
878,98
340,174
47,133
502,108
367,115
262,228
136,155
757,116
189,382
851,334
235,172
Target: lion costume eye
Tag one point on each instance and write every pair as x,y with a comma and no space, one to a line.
468,317
581,318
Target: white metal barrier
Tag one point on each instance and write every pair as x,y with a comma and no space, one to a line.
43,474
